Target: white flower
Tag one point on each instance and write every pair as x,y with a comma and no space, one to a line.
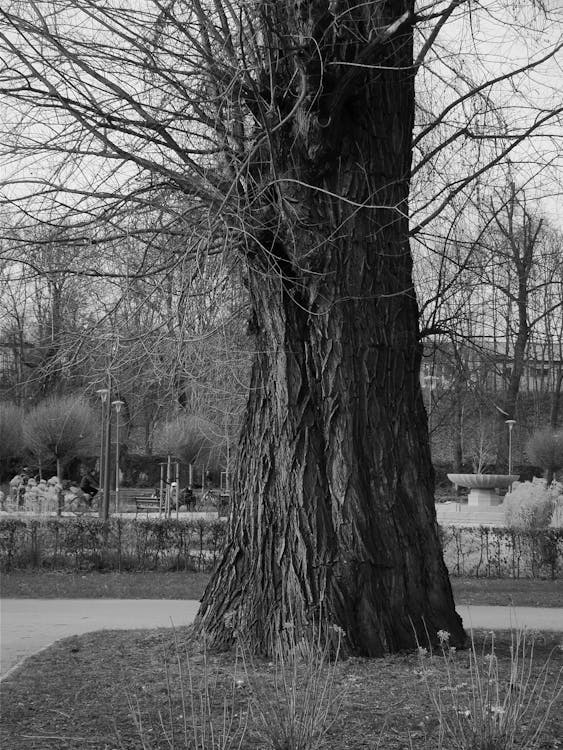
443,636
496,713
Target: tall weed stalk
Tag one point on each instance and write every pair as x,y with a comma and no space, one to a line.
210,716
494,708
304,700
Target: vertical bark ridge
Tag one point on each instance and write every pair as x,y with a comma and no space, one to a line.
333,511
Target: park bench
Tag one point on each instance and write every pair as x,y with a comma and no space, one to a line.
146,504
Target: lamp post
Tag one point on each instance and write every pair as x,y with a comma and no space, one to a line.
510,423
107,461
103,393
117,405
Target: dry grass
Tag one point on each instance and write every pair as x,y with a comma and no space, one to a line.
78,694
499,706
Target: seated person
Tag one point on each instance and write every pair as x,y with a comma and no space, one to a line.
89,486
187,498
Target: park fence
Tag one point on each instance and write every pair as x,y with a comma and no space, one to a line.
87,543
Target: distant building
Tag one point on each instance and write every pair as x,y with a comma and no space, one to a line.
488,365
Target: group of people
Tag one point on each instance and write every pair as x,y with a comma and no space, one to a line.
35,494
28,492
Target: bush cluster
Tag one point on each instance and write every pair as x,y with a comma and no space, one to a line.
86,543
530,505
486,552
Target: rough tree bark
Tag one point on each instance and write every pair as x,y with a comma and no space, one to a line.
333,512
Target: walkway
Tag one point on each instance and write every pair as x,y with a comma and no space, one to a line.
29,625
505,618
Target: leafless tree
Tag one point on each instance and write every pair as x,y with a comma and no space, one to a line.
280,135
59,429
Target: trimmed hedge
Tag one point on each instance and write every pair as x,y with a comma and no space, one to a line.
491,552
86,543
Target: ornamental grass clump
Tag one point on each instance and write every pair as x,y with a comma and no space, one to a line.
289,703
490,707
203,709
304,700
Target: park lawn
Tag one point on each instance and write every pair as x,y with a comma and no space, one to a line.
515,592
31,584
83,691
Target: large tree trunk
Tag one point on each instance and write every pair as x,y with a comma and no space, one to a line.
333,514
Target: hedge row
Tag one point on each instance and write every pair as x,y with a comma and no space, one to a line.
486,552
86,543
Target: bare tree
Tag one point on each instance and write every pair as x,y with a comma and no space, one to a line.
279,135
157,331
59,429
493,312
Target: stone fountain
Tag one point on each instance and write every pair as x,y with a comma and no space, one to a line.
482,486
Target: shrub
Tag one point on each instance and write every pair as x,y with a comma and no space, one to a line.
83,543
486,552
60,429
545,448
530,505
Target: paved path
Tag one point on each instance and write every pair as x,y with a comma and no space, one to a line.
28,625
505,618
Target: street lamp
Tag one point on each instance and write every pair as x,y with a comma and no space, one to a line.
510,423
103,393
107,462
117,405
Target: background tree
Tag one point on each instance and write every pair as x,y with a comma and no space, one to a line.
280,135
190,351
188,438
11,435
492,315
60,429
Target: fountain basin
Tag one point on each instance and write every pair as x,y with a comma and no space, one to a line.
482,487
